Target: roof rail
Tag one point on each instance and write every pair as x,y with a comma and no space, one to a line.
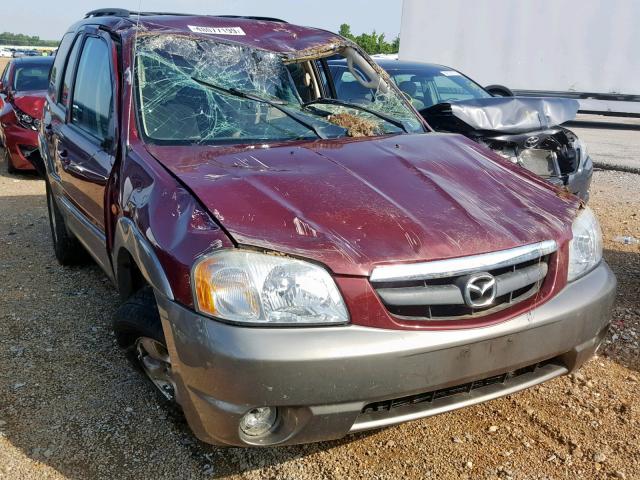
108,12
121,12
251,17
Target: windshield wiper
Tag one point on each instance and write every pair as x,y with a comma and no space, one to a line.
332,101
277,104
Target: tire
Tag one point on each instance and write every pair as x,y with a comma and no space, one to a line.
10,168
137,327
67,248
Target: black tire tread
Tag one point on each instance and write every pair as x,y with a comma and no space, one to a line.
139,317
10,168
136,317
68,250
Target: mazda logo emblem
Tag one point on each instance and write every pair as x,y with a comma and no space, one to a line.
479,290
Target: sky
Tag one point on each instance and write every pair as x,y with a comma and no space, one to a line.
36,17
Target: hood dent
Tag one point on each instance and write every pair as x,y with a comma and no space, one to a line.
355,204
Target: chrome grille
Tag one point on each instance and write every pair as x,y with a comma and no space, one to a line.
436,290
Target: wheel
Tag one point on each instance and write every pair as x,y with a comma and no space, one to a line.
138,329
499,91
67,248
10,168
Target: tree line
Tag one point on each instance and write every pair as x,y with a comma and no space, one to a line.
19,39
371,43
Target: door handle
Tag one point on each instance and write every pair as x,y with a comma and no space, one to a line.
63,155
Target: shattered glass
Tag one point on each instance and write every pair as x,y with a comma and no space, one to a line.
194,90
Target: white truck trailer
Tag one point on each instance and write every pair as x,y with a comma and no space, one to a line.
583,49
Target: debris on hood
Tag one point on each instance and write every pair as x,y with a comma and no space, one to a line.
356,126
510,114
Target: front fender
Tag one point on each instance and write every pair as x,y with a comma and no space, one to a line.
128,239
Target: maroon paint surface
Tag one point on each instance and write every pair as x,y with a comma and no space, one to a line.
349,204
354,204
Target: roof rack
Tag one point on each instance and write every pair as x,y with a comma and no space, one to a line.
108,12
251,17
123,13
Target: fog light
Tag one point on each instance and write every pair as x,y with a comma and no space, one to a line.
258,421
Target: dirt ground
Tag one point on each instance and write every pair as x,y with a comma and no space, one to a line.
71,407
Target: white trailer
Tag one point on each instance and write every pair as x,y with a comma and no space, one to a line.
583,49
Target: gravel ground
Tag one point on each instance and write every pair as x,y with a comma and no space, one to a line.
72,408
613,142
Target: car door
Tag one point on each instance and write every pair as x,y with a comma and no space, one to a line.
58,99
84,143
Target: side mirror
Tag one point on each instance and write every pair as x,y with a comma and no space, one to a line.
499,91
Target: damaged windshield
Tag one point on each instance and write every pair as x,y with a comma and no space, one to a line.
193,90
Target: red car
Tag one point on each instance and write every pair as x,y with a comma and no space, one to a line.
296,266
23,87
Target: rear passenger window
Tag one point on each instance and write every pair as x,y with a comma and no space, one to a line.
65,95
93,91
58,65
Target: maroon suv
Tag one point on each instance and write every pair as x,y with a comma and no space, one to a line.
295,266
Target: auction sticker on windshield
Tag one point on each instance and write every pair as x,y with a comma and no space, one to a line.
217,30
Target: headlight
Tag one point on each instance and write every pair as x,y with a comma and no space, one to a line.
585,249
255,288
25,120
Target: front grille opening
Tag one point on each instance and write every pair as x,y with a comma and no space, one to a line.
458,310
463,389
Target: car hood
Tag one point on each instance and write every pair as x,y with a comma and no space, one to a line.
30,103
508,114
356,203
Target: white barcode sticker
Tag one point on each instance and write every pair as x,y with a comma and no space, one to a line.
217,30
450,73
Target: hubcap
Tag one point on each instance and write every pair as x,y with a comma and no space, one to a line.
155,362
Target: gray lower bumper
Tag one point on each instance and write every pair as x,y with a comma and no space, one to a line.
321,378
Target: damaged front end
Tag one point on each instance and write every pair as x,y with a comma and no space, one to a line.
525,131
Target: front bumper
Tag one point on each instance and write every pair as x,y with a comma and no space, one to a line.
22,145
321,379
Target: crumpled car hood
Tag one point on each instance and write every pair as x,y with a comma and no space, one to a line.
353,204
31,103
510,114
